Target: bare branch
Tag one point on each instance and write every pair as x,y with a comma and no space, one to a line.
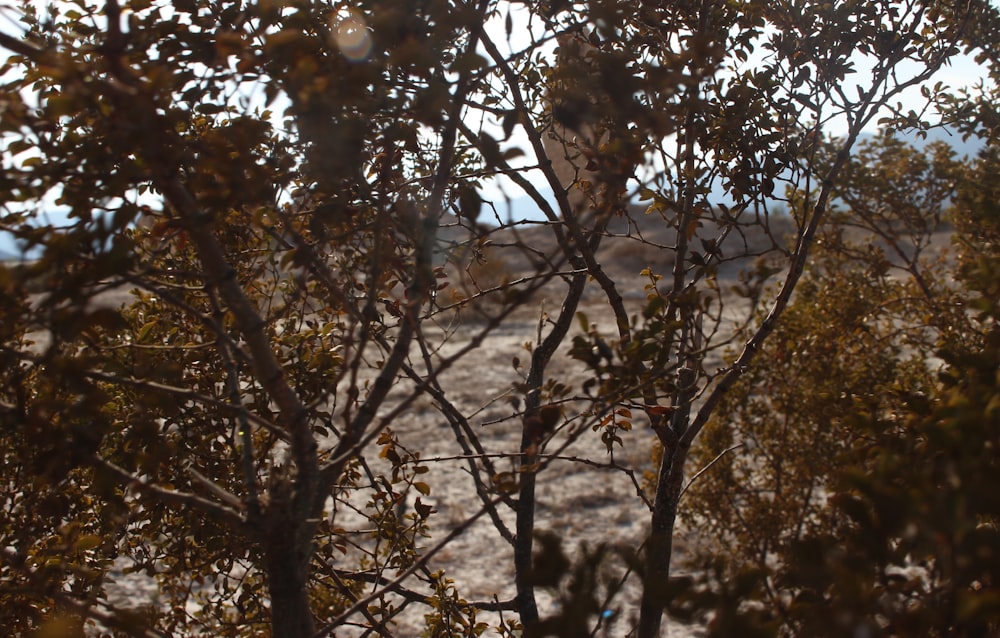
21,47
709,465
406,573
224,513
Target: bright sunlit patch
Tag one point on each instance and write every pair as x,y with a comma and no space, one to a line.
352,37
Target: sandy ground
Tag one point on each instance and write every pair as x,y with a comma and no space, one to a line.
579,499
581,503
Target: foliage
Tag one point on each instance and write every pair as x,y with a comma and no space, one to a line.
291,195
853,500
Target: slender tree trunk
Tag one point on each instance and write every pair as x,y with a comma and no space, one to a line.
286,561
531,438
660,544
525,528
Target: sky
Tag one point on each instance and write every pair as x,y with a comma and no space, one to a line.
962,72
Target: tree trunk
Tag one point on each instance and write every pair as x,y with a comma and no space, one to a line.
532,435
525,527
287,575
659,546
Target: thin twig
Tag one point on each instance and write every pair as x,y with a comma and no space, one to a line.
409,571
707,467
169,496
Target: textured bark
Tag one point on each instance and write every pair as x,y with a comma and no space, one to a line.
286,562
286,581
659,545
669,485
525,523
527,607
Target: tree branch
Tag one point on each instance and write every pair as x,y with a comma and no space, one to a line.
223,513
267,368
406,573
709,466
21,47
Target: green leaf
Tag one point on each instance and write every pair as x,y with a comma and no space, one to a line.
145,330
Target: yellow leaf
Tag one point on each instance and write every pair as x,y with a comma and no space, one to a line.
87,541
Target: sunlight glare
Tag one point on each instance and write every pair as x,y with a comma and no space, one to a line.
352,37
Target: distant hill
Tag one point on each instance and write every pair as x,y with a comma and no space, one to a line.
963,148
523,208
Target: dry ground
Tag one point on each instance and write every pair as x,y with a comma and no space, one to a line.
581,502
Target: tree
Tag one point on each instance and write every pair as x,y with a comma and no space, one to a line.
835,510
296,193
858,340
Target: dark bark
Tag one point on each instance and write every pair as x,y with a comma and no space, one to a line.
287,565
530,440
524,541
659,545
669,485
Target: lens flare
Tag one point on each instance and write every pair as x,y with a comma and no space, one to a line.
352,37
